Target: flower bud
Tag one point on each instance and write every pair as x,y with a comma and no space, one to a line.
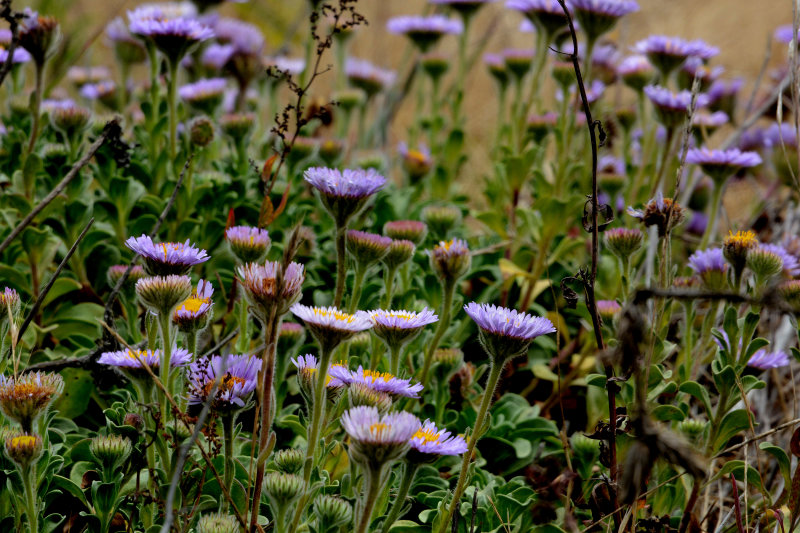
349,99
134,420
441,220
201,131
217,523
624,242
115,273
290,460
451,259
408,230
24,449
111,451
584,447
446,362
608,309
435,64
330,150
71,120
331,512
367,248
161,294
692,429
399,253
282,489
361,394
248,244
24,398
359,345
237,125
764,263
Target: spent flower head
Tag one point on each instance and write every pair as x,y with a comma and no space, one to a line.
269,285
450,259
27,396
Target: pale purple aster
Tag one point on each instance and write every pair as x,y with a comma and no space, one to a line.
197,305
752,139
291,65
366,426
367,76
703,261
784,34
635,65
378,381
594,92
494,60
526,26
5,36
399,327
248,244
663,98
450,259
508,322
599,16
765,360
163,10
246,38
780,134
698,223
235,377
721,164
331,318
696,67
307,365
606,56
348,183
203,89
135,360
167,257
80,75
432,441
98,91
117,31
791,265
662,45
609,164
433,25
608,308
721,89
173,36
20,55
546,15
710,120
51,104
216,56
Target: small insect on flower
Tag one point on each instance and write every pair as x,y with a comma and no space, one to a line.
234,377
430,442
27,396
376,439
424,31
165,258
450,259
192,315
379,381
506,333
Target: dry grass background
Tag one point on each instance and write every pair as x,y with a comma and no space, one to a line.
739,27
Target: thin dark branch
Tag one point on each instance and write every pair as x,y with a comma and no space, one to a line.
112,129
46,289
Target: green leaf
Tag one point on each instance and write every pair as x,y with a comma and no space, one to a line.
62,483
693,388
668,412
731,424
78,389
783,460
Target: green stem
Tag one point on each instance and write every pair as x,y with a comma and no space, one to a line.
488,393
172,87
28,475
341,265
165,329
409,473
444,323
388,284
244,329
358,283
712,218
462,71
374,476
394,359
227,435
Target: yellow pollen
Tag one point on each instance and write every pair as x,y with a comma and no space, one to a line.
137,354
23,440
192,304
379,428
166,246
427,435
746,239
338,315
224,384
375,376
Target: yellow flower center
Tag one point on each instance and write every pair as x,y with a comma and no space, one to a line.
166,246
379,428
374,376
224,384
427,435
26,441
193,304
745,239
417,156
137,355
337,315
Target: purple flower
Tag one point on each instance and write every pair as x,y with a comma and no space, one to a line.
203,90
608,309
397,328
166,257
593,92
135,360
424,31
599,16
430,442
609,164
246,38
708,260
508,322
248,244
368,77
349,183
698,223
378,381
376,439
101,90
170,27
192,314
262,289
713,120
635,66
216,56
668,53
784,34
722,89
450,259
764,360
720,164
780,134
291,65
307,366
20,55
672,107
547,15
235,377
332,318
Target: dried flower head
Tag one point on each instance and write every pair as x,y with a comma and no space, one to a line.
450,259
27,396
267,286
661,212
